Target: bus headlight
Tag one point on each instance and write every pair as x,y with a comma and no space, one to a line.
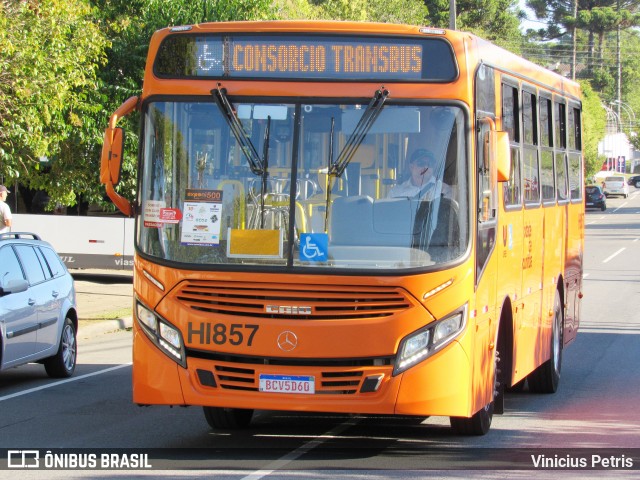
164,335
423,343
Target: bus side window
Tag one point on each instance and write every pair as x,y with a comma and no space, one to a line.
547,176
511,124
575,158
512,187
560,143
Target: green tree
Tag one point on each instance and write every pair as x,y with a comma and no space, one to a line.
50,51
411,12
495,20
593,128
129,25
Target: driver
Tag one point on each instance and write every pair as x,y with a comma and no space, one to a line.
422,183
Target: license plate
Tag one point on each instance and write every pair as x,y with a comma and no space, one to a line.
589,204
287,384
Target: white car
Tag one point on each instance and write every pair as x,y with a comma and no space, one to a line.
615,185
38,313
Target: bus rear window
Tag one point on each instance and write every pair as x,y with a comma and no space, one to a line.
312,57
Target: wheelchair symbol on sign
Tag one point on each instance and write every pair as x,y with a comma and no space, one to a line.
310,249
314,247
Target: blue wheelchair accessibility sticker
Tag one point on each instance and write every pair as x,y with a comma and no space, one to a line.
314,247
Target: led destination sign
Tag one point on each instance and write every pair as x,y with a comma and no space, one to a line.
311,57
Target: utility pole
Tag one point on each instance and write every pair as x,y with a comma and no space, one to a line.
619,79
452,14
575,40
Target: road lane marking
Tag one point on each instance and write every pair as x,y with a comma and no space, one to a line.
624,203
611,256
67,380
298,452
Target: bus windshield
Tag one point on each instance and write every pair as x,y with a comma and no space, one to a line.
304,185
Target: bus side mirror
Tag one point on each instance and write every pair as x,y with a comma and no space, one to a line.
111,161
499,147
111,158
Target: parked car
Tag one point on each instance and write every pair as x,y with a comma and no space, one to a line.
635,181
594,197
615,185
38,313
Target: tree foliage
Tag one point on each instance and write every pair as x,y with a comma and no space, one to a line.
593,128
50,52
412,12
66,65
495,20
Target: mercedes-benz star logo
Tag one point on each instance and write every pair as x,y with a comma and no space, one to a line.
287,341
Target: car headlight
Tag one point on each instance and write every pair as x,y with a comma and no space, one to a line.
423,343
164,335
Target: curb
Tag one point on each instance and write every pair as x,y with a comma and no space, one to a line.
98,327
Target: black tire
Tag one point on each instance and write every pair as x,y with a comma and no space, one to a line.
63,363
546,378
227,418
603,208
478,424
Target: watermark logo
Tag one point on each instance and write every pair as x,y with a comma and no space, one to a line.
23,459
56,459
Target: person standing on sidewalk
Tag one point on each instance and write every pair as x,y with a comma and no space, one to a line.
5,211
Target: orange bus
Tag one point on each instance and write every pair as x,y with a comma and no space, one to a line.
350,217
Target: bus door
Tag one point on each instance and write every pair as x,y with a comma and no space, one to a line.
553,185
533,251
511,224
486,310
533,338
575,222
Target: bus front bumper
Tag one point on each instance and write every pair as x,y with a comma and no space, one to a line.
440,385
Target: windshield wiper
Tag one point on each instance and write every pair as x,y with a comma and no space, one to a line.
337,168
362,128
265,170
329,185
255,163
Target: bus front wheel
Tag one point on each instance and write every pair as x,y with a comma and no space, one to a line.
478,424
227,418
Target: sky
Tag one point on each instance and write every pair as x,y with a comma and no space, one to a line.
532,22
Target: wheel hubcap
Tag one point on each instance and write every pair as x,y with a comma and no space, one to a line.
556,340
68,347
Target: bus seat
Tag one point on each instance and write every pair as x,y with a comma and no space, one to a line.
362,221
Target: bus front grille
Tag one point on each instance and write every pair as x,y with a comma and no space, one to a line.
232,378
302,302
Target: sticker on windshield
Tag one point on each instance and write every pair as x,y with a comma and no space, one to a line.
314,247
151,213
202,214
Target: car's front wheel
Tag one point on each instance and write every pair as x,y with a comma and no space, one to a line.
63,363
